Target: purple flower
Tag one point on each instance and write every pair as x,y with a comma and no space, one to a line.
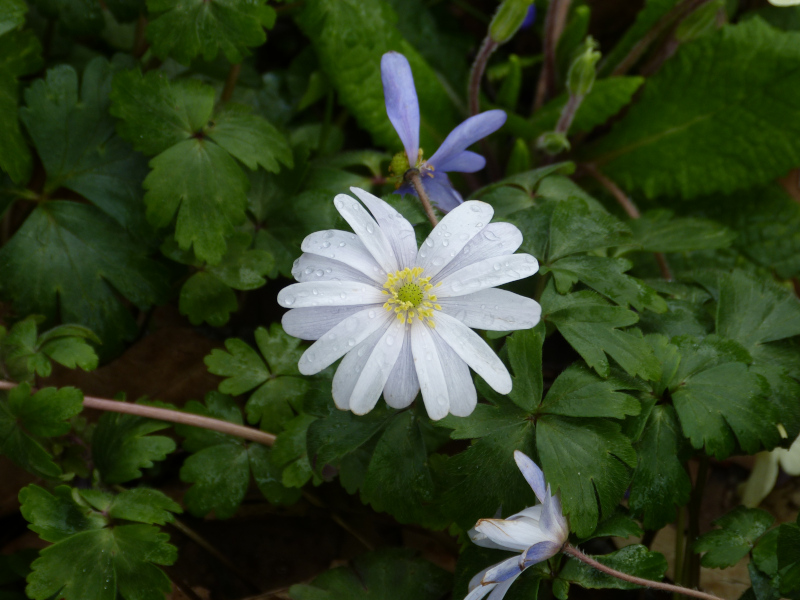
403,110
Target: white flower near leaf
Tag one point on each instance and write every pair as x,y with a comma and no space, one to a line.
401,316
784,2
765,472
537,533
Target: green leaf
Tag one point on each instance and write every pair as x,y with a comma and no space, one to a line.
736,536
383,575
220,464
250,139
703,93
79,17
25,416
15,157
12,14
660,482
71,261
634,560
157,113
186,30
720,401
576,227
661,231
91,561
607,276
607,97
399,479
20,52
525,356
754,311
74,135
590,325
349,37
204,298
586,460
579,392
290,452
279,390
788,544
209,196
121,446
26,355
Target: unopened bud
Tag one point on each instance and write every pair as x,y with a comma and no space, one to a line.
581,75
553,143
508,19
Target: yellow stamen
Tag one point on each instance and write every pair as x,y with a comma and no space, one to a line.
409,297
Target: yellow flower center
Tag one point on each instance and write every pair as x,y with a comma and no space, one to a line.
410,297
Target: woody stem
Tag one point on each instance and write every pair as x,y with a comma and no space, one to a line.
414,177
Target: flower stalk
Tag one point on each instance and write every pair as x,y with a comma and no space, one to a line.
413,176
171,416
656,585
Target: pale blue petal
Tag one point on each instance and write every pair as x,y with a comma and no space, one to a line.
500,591
539,552
465,162
533,475
401,101
441,192
466,134
480,591
503,570
552,518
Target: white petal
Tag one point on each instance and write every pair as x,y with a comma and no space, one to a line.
452,233
312,267
510,568
790,459
486,274
496,239
480,591
368,231
313,323
429,371
533,513
329,293
533,475
346,248
381,361
402,386
460,388
342,338
762,479
397,229
517,535
499,592
476,579
474,351
349,370
494,310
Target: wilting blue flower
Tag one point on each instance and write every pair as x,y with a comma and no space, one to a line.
530,17
537,533
403,110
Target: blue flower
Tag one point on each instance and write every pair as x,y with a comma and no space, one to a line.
403,110
537,533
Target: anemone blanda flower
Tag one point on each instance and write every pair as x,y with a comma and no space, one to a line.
400,316
764,475
537,533
403,110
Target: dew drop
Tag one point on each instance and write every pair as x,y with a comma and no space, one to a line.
490,235
390,340
438,261
371,314
319,272
351,342
326,244
429,242
497,266
342,244
288,300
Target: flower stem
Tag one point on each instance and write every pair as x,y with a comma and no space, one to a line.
476,74
568,114
691,561
657,585
553,27
172,416
629,207
414,177
230,83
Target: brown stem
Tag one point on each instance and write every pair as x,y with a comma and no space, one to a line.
476,74
657,585
678,12
415,178
139,41
172,416
691,560
629,207
568,114
230,83
553,28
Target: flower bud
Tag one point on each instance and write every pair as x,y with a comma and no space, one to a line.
580,77
508,19
553,143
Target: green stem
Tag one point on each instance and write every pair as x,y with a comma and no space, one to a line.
476,74
230,83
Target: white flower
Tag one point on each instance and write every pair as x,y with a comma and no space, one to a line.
537,533
402,316
764,475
